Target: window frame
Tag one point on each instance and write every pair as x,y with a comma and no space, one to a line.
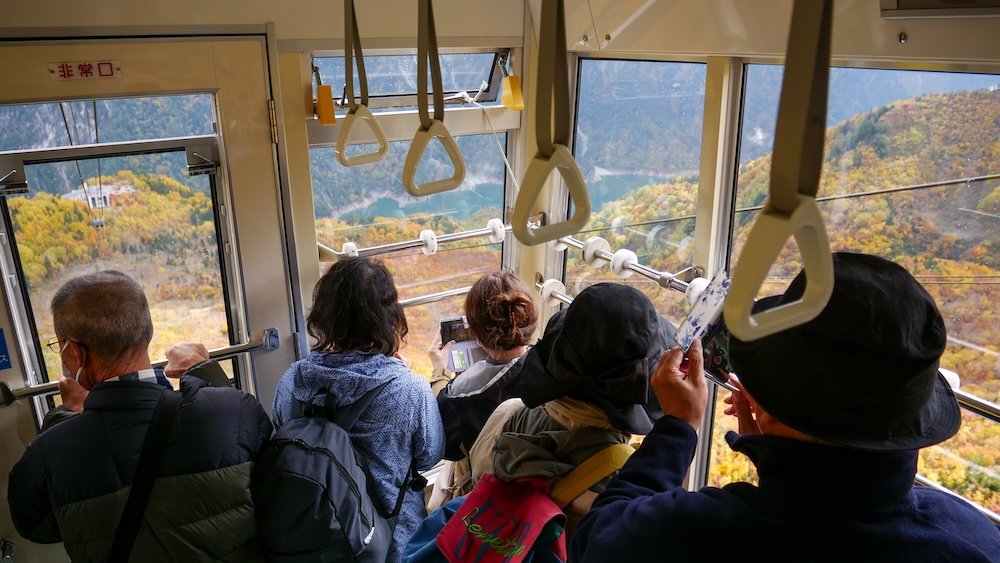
704,448
378,101
17,293
725,98
559,267
461,121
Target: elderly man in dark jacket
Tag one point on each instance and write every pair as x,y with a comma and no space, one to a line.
833,413
74,479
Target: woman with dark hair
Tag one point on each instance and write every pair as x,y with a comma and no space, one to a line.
502,317
358,325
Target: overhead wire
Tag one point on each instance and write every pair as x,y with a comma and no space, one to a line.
100,178
79,171
496,136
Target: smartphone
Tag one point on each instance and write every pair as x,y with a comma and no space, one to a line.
705,322
456,329
716,351
466,351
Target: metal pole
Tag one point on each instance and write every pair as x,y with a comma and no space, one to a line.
664,279
434,297
418,243
268,340
391,247
979,406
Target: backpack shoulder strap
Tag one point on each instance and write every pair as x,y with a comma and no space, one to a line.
347,415
590,472
153,449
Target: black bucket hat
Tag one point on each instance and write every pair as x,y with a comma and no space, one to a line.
864,373
602,349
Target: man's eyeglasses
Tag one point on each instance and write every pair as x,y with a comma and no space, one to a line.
55,344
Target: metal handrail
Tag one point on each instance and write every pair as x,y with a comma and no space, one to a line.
664,279
409,244
924,481
434,297
968,401
268,340
978,405
564,298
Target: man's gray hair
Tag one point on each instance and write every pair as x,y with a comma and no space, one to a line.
106,311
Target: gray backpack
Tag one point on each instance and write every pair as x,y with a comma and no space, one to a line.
311,497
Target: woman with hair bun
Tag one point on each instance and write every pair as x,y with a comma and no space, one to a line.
502,317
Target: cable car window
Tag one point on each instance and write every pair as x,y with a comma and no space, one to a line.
898,151
115,120
638,144
368,206
392,79
137,213
132,208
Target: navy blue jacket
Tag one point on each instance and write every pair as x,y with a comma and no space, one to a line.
814,503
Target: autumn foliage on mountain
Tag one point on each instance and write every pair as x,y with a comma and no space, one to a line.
948,236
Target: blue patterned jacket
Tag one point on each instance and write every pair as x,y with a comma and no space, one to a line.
402,423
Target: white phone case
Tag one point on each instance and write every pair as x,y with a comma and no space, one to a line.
706,312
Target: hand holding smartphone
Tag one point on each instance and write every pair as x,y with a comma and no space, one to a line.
466,350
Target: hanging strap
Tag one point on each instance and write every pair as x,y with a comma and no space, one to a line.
352,52
553,81
801,125
790,209
427,48
153,448
356,111
552,105
590,473
430,128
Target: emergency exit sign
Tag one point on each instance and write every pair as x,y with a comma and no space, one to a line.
85,70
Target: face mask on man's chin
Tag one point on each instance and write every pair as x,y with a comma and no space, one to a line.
68,375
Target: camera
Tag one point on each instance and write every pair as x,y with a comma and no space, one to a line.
716,351
456,329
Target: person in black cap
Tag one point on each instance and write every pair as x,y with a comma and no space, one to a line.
832,413
584,386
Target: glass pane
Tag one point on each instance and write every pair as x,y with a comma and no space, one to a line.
64,124
129,213
368,206
899,129
396,75
638,144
